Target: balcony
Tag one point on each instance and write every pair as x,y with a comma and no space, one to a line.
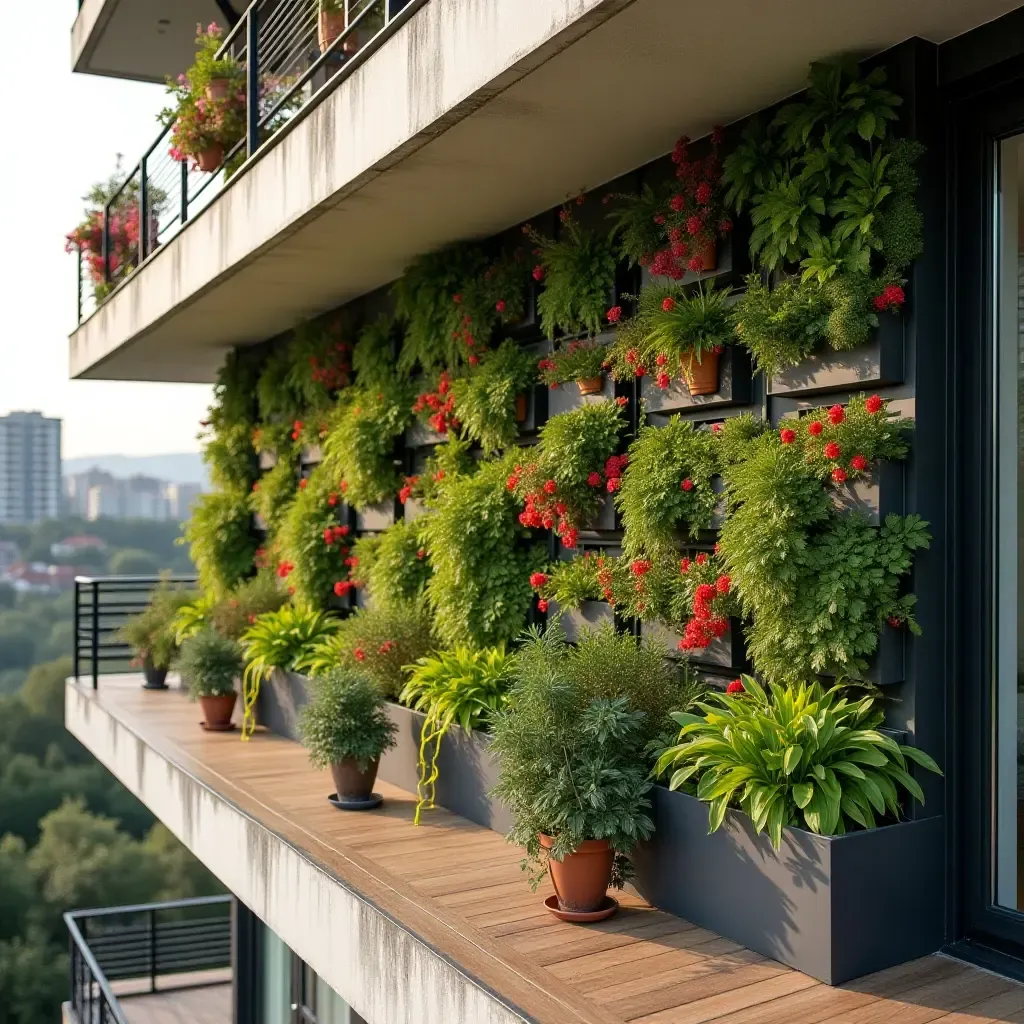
151,964
450,122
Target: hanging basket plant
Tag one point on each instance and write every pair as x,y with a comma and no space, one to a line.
582,361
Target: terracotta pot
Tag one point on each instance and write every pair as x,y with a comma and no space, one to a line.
590,385
210,159
701,377
581,879
156,678
350,783
709,256
332,24
218,710
520,408
218,89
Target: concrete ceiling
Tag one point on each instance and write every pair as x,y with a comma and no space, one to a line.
145,40
613,100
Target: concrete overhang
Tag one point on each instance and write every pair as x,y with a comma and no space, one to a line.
145,40
473,116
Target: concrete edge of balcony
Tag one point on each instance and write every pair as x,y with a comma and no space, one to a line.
379,944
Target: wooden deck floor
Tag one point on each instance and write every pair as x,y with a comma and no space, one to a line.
459,887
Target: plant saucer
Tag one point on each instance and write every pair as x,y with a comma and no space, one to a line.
355,804
606,909
230,727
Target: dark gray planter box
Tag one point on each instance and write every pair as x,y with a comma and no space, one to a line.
727,653
734,387
468,771
280,700
835,908
377,517
590,615
879,361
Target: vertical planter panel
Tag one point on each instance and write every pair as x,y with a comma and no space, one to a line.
734,387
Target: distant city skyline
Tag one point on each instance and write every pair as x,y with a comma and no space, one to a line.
89,120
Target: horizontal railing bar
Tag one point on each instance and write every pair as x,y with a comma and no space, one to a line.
171,578
139,908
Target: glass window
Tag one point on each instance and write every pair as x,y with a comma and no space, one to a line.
276,968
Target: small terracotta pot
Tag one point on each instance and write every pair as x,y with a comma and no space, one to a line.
590,385
701,377
211,158
218,89
520,408
709,256
581,879
350,783
218,710
332,24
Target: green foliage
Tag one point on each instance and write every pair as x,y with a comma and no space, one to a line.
635,226
573,361
235,612
210,664
151,633
571,767
485,398
278,397
380,642
799,756
228,448
572,581
133,562
579,276
900,227
360,445
345,719
653,497
373,358
273,493
399,570
279,640
221,541
480,590
459,687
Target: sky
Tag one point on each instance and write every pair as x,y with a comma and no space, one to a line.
62,133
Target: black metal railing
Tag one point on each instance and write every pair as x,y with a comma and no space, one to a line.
174,941
290,51
103,604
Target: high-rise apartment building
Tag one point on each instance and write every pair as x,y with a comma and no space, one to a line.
30,476
812,322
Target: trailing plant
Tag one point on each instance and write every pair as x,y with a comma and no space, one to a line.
459,687
221,541
321,364
399,570
638,222
373,358
571,767
819,583
452,300
448,460
278,640
151,633
573,360
210,664
272,494
569,582
360,445
796,756
346,719
562,483
479,590
380,642
666,484
578,270
313,544
227,448
485,398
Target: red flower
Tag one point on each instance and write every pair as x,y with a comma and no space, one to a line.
702,558
736,686
873,404
500,305
473,360
684,566
256,485
832,450
678,202
836,415
814,428
839,475
538,579
632,356
787,436
550,487
621,402
661,359
538,273
696,264
512,482
569,538
719,627
332,500
668,303
663,380
457,299
303,483
640,567
722,584
359,654
640,371
614,315
859,463
421,553
328,536
703,193
895,622
542,605
716,428
694,225
342,587
686,485
613,485
594,479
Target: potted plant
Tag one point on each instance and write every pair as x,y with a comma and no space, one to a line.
331,23
211,665
152,636
555,744
580,361
346,728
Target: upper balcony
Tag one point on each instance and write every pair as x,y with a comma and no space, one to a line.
139,39
425,123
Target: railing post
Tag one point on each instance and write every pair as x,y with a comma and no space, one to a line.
152,950
184,191
95,634
143,210
252,59
106,243
79,284
78,590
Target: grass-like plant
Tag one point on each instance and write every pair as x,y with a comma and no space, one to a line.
667,484
210,664
459,687
278,640
794,756
346,719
